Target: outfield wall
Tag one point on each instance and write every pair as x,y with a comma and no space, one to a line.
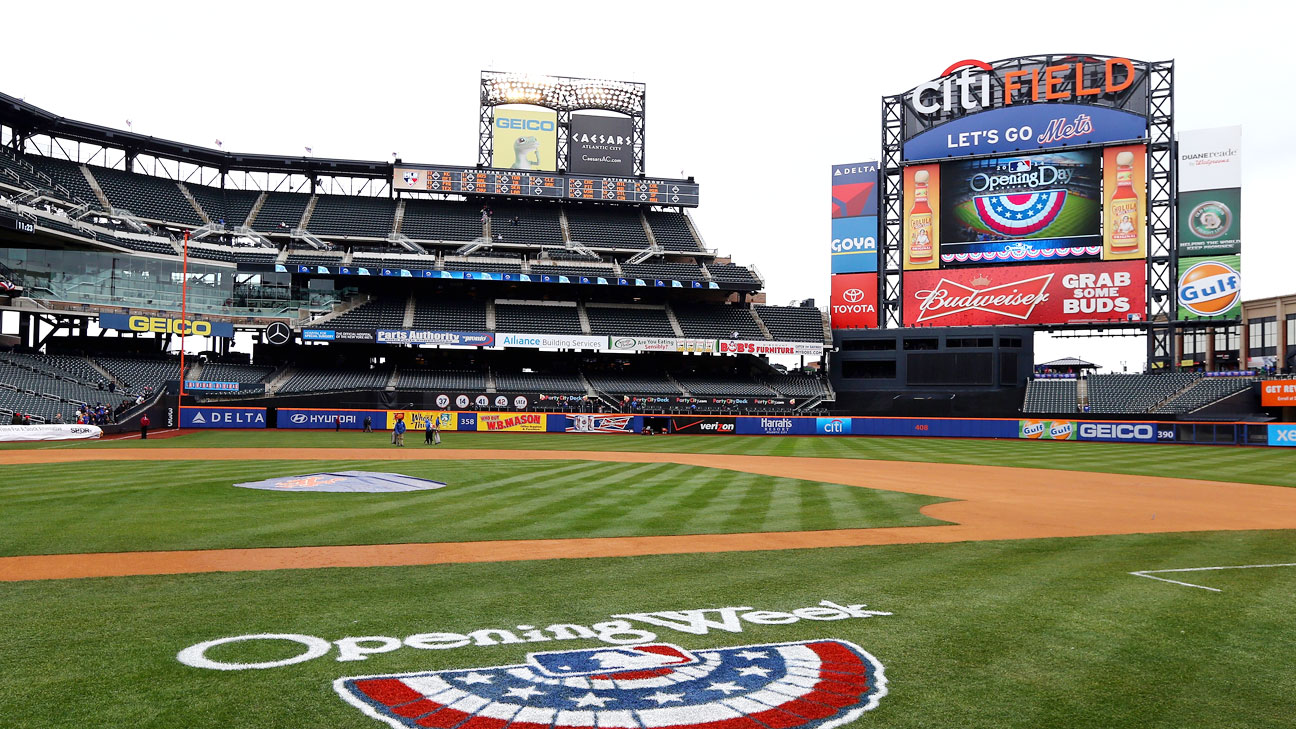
1109,431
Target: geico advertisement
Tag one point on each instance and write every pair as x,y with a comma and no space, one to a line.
1044,294
166,325
511,422
417,419
525,140
853,304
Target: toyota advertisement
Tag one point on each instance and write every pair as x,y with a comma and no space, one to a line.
1024,209
1071,293
854,301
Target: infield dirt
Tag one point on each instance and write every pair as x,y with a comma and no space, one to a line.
989,503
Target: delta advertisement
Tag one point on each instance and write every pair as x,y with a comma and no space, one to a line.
853,304
1070,293
854,218
1046,429
166,325
1125,188
922,197
1018,209
1210,192
1210,287
525,140
1278,393
601,145
203,416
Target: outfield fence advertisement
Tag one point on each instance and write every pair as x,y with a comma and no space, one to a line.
206,416
512,423
1047,429
418,419
589,423
304,418
1278,393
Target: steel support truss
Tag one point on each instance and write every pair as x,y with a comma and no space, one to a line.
1162,187
891,215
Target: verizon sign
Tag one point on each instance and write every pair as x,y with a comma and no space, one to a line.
854,301
1071,293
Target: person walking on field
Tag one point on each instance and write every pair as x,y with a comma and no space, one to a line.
144,424
436,433
337,424
399,433
368,424
427,430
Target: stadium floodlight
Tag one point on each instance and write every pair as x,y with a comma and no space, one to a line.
562,93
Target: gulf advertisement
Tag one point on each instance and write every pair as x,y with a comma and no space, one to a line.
1026,209
525,139
601,145
205,416
1125,188
1210,287
1069,293
1210,191
1046,429
922,198
416,419
1278,393
853,303
854,218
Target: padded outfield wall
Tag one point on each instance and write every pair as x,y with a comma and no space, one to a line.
1109,431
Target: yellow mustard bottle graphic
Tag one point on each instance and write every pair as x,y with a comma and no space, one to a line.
1122,210
918,238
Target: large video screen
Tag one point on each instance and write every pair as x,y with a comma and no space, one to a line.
1036,208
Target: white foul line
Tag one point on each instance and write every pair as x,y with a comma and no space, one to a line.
1148,573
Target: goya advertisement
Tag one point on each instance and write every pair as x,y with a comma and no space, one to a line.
525,140
1071,293
854,218
1210,287
1025,209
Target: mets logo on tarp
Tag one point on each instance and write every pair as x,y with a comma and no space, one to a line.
307,482
816,683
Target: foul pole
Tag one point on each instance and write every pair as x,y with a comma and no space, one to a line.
184,324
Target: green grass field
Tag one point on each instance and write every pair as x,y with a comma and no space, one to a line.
1028,633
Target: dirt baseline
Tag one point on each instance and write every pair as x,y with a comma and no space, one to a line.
991,502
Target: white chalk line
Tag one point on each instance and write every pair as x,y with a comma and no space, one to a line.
1149,573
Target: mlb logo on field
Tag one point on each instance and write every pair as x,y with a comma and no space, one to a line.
593,661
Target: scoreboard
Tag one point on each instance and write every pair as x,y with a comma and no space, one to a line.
521,183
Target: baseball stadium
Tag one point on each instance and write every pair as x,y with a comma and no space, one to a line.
298,441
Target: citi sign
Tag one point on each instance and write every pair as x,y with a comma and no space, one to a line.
975,86
525,125
833,426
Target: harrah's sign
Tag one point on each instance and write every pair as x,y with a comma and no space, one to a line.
979,86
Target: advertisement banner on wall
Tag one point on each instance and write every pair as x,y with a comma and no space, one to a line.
808,349
1025,128
1069,293
601,145
550,341
456,339
1026,209
1210,222
301,418
1118,432
854,190
775,425
703,425
511,423
1125,188
417,419
854,245
1046,429
833,426
1210,287
922,200
853,304
166,325
1282,435
1210,159
590,423
202,416
1278,393
525,139
660,344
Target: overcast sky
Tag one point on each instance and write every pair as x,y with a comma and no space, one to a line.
756,101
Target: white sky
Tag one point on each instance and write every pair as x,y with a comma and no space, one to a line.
770,93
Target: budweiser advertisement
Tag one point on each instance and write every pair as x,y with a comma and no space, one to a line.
854,301
1064,293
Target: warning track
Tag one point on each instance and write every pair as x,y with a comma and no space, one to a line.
990,502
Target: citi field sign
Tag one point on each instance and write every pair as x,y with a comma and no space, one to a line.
970,85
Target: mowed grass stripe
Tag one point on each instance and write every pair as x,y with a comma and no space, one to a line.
133,506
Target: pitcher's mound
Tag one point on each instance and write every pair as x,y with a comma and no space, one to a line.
370,482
